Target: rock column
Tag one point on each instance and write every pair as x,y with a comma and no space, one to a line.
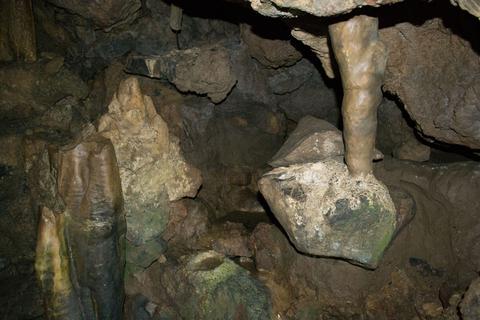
361,58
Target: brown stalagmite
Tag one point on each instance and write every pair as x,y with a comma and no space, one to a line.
53,268
82,248
361,57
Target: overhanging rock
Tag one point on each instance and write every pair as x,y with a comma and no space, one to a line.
327,212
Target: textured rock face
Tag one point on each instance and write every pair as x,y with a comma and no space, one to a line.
442,96
312,140
202,70
272,53
325,212
470,306
102,13
152,170
34,90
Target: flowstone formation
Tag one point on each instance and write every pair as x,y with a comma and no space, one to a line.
80,248
326,209
152,169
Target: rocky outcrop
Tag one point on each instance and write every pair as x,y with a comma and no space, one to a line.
102,13
206,70
152,170
442,96
326,212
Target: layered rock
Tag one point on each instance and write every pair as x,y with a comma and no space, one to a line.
152,169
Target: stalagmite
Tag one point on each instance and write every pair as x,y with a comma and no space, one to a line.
82,248
53,268
361,57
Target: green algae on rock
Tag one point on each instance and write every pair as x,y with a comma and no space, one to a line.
327,212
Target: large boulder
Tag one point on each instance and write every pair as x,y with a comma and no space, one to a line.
441,96
152,169
326,212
